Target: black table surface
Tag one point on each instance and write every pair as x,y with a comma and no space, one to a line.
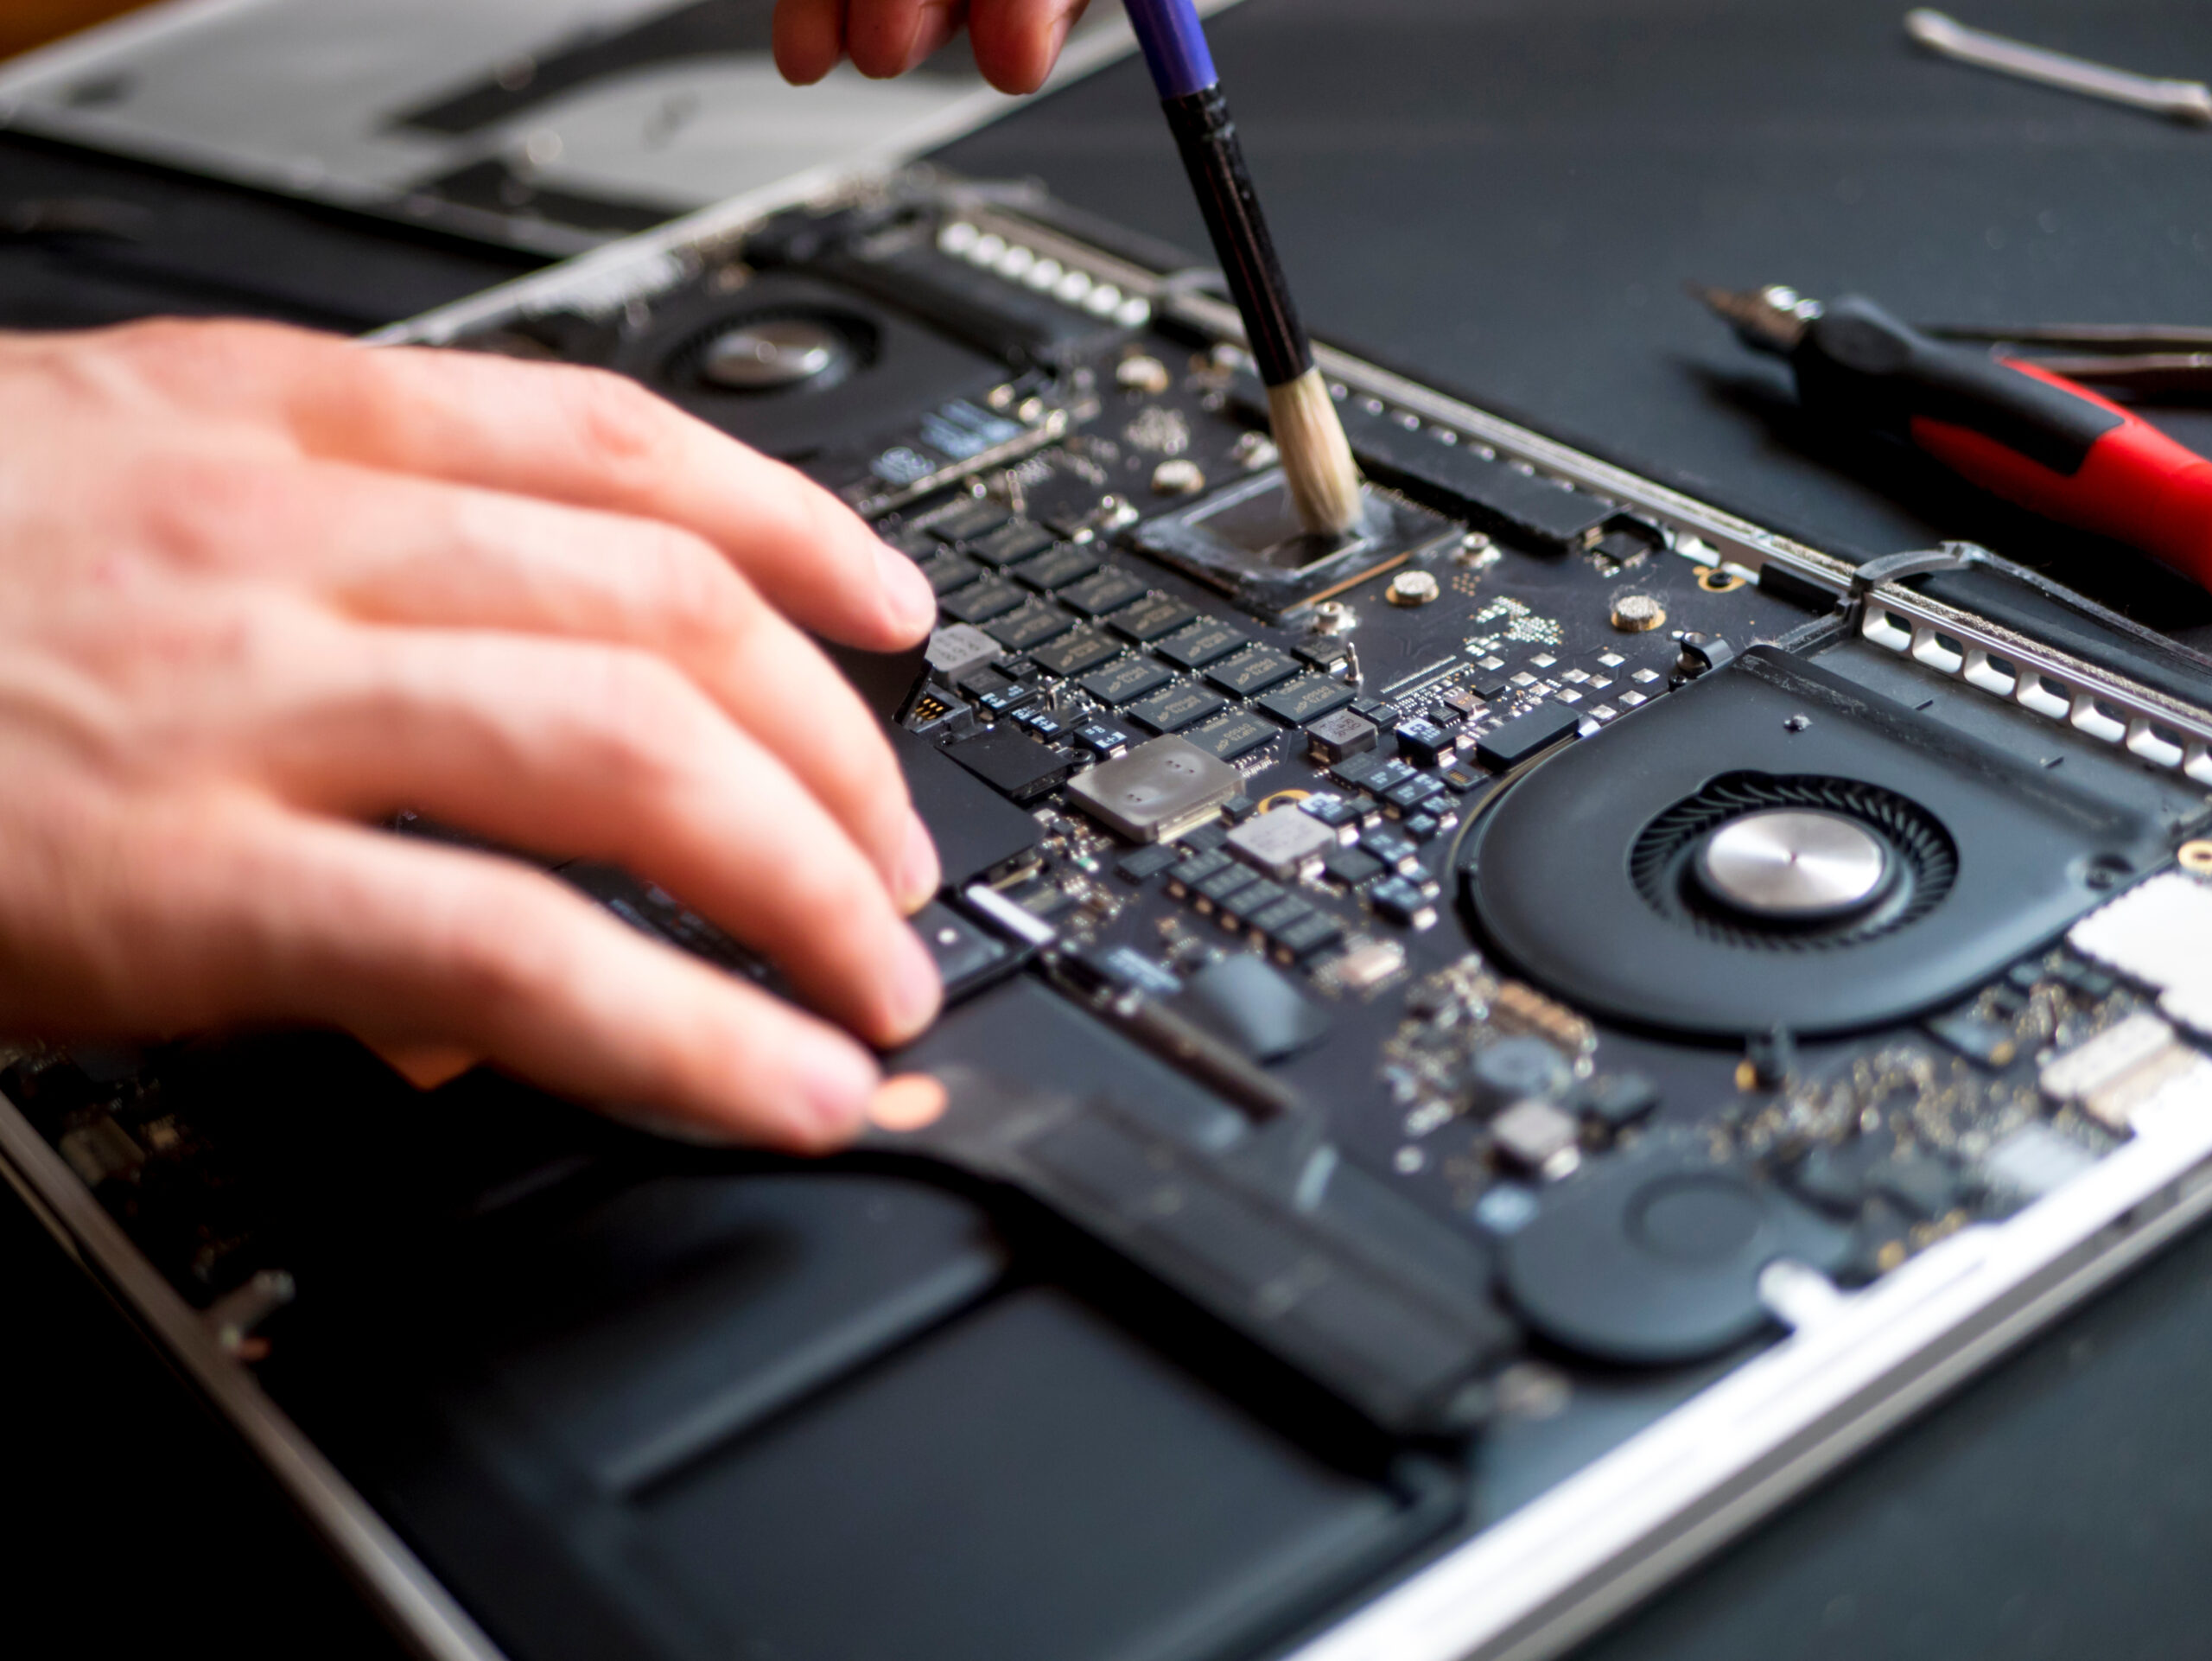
1505,196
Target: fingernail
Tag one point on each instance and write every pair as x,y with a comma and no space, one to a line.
1071,14
906,593
837,1079
925,40
909,51
915,989
920,873
912,1101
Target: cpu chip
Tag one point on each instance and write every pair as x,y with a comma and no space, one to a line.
1157,792
1247,541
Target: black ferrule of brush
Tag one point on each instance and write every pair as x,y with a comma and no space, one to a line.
1207,139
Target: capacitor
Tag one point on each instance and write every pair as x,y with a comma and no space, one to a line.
1411,589
1179,477
1144,374
1637,613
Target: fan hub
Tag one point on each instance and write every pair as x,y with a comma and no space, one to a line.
771,354
1794,865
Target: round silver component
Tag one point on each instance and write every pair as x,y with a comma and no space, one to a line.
1411,589
1181,477
766,356
1789,862
1142,374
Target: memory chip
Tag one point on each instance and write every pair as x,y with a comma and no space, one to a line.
1029,626
1055,569
948,571
1200,643
1175,708
979,601
1305,699
971,519
1151,617
1238,733
1249,674
1157,792
1010,543
1074,652
1102,591
1118,683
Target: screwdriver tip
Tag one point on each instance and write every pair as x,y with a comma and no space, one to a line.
1772,319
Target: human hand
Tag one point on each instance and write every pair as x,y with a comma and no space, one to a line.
260,588
1016,42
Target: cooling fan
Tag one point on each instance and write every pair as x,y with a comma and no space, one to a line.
1794,863
1776,846
795,365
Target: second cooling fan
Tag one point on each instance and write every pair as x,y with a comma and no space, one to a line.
1775,846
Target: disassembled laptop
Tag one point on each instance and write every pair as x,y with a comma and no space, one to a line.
1483,1055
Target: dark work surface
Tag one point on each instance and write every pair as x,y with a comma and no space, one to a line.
1506,197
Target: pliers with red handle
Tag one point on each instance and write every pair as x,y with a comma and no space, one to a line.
2012,426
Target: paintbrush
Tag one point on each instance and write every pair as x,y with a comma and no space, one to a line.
1317,462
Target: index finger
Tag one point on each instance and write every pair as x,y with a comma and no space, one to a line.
582,436
593,439
1016,42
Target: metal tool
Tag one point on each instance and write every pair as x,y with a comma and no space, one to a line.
2011,425
2156,360
2183,101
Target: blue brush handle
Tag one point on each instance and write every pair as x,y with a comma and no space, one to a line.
1197,114
1174,46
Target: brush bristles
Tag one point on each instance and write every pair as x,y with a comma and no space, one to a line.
1316,460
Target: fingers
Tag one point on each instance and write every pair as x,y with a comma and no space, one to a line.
580,436
888,38
422,945
883,37
592,439
1016,42
407,551
807,38
607,753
